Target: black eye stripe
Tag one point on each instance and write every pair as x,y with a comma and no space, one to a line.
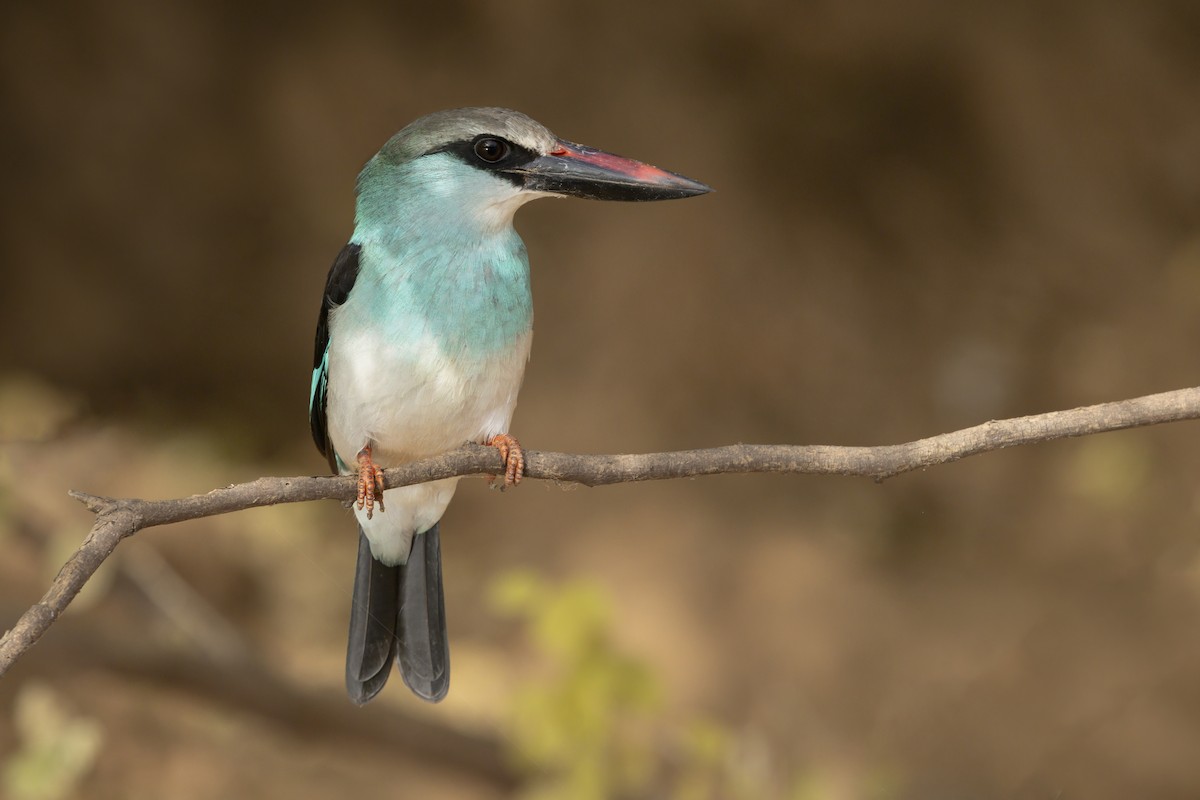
467,151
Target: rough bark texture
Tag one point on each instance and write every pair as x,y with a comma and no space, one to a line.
119,518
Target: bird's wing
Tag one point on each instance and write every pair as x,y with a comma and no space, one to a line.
337,286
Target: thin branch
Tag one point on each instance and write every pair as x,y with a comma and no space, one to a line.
256,688
187,609
117,519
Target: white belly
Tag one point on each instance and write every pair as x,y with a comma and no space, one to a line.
410,400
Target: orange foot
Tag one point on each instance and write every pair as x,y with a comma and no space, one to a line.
511,455
370,482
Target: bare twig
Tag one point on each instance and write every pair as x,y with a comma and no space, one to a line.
257,688
186,608
117,519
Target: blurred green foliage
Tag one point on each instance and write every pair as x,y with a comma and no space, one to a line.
31,409
1111,472
34,417
55,749
591,725
585,725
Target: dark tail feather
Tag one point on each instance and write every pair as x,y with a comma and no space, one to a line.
424,654
373,617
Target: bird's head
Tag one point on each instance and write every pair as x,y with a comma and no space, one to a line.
487,162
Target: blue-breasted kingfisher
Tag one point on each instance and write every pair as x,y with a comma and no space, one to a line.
424,331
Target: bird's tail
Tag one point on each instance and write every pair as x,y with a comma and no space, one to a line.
424,652
399,612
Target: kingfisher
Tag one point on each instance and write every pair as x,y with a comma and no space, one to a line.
422,339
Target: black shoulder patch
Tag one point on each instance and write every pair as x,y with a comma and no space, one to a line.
337,287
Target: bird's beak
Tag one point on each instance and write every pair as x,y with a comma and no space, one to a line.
580,171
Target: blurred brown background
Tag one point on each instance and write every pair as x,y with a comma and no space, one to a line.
927,215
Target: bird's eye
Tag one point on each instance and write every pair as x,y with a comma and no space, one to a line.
490,149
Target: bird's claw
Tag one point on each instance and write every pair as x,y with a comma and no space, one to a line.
370,483
512,456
